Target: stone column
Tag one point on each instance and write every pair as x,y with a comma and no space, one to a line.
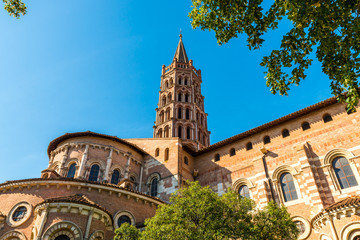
83,161
88,225
43,221
141,176
63,160
108,165
127,166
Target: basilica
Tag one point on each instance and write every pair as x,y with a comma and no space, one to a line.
308,160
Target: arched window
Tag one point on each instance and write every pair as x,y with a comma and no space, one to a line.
115,177
244,191
249,146
154,187
186,81
166,156
180,131
202,120
203,140
62,237
344,174
327,118
288,187
180,81
179,113
188,133
72,170
197,116
285,133
164,100
160,133
305,126
217,157
157,152
179,97
169,97
133,179
186,97
187,114
186,160
166,132
162,117
167,84
266,139
232,152
94,173
168,114
123,219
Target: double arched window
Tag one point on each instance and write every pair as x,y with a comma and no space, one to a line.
71,171
343,172
115,177
288,187
94,172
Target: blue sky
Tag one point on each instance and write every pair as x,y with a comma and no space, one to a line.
71,66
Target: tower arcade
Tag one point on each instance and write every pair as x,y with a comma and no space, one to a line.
180,112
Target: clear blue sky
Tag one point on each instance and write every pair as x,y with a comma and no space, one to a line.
81,65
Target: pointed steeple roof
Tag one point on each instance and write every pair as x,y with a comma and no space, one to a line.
180,53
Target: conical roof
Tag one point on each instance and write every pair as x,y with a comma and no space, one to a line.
180,53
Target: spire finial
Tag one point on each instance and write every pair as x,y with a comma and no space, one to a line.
180,34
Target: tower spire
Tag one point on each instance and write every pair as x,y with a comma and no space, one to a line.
180,112
180,53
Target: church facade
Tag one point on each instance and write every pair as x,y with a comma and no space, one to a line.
308,160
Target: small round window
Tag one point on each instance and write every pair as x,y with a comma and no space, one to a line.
19,213
124,219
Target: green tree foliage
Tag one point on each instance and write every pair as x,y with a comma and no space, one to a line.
329,27
15,7
127,232
197,212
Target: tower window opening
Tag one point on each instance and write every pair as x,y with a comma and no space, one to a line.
186,160
327,118
305,126
179,131
285,133
185,81
266,139
188,133
249,146
203,141
180,81
179,97
167,84
166,132
217,157
187,114
180,113
157,152
168,114
169,97
186,97
164,100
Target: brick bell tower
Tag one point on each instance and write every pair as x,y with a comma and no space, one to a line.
180,112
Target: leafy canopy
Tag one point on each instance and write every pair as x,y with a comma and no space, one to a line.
197,212
15,7
329,27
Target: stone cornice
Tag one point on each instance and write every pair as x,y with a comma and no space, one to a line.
90,186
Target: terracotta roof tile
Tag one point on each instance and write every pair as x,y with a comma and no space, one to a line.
76,198
54,143
289,117
346,202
